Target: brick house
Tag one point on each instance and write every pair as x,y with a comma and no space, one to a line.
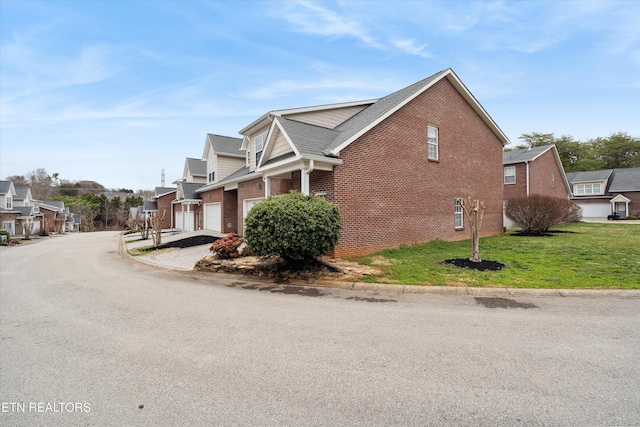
536,170
606,192
396,167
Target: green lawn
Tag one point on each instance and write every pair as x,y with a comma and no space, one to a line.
589,256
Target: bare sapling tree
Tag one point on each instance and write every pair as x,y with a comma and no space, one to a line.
145,226
27,226
474,212
156,227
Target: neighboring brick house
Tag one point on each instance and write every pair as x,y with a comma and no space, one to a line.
536,170
606,192
163,199
396,167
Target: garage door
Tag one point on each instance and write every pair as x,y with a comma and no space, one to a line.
213,216
185,221
595,210
248,204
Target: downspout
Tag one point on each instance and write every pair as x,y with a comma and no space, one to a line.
527,165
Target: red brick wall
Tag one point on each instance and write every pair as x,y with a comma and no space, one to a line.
546,177
230,211
519,188
248,190
164,205
390,194
50,218
322,182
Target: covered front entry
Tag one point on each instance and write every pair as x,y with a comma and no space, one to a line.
213,216
620,206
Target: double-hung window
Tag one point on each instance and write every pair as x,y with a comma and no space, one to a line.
432,140
259,143
509,174
458,214
211,172
9,202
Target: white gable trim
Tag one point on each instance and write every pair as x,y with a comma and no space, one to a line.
457,84
271,141
620,198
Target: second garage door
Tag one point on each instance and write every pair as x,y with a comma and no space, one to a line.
213,216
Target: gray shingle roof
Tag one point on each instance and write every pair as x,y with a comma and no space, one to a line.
5,187
308,139
625,180
189,190
150,206
225,145
197,167
588,176
159,191
24,210
22,192
524,155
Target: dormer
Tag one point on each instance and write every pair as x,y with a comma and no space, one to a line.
590,183
223,156
326,116
195,170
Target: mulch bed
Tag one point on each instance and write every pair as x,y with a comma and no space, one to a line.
548,233
484,265
184,243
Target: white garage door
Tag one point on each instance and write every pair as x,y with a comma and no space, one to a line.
595,210
213,216
248,204
185,221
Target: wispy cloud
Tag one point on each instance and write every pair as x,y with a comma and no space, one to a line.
410,46
314,19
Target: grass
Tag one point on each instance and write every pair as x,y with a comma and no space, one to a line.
590,255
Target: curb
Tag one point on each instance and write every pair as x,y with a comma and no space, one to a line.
400,288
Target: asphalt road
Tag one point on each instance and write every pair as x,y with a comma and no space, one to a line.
89,338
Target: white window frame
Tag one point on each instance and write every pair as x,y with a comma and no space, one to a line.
9,202
432,142
458,214
590,188
508,176
259,142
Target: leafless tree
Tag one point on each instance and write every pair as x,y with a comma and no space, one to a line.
474,212
156,225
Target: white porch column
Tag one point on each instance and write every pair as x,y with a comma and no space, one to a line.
188,213
304,176
267,186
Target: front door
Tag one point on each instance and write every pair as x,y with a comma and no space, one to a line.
621,209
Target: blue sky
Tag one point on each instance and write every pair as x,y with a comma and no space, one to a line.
116,91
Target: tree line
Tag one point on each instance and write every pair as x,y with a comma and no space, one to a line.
618,150
97,207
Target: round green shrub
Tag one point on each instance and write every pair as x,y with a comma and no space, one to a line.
293,226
